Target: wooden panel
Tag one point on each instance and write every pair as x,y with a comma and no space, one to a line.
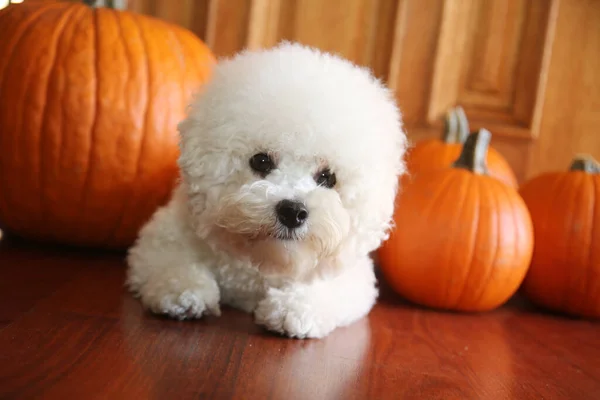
490,60
571,112
360,30
412,63
264,25
451,55
227,26
491,57
524,69
487,78
191,14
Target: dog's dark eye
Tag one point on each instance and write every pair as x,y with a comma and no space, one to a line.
326,178
262,163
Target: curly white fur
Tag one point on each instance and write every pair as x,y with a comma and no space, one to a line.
216,241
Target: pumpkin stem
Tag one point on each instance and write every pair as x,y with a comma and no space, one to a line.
585,163
115,4
463,124
474,152
456,126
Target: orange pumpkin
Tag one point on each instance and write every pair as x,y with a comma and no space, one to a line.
565,208
90,99
462,240
434,153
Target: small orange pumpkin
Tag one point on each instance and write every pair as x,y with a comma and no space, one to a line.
90,99
434,153
565,208
462,240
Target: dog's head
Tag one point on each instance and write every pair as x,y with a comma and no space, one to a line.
291,157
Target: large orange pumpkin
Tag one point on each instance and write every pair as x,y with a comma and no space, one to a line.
440,153
565,208
462,240
90,99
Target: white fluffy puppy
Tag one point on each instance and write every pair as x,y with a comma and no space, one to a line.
290,160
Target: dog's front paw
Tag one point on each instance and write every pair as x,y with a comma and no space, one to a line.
292,315
182,302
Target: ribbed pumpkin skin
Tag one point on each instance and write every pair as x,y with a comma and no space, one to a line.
462,240
432,154
89,105
565,270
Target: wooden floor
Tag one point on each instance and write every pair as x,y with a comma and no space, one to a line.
68,330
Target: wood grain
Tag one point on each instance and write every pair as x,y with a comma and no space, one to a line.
488,76
524,69
80,335
570,119
489,59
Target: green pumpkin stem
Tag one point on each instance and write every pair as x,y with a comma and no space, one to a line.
114,4
456,126
474,152
585,163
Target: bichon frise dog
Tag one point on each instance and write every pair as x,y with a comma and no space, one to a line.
290,159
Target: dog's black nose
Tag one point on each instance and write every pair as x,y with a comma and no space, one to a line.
291,213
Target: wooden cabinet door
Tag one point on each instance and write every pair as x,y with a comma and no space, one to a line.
528,70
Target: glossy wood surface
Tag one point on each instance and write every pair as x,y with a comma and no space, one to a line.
69,330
